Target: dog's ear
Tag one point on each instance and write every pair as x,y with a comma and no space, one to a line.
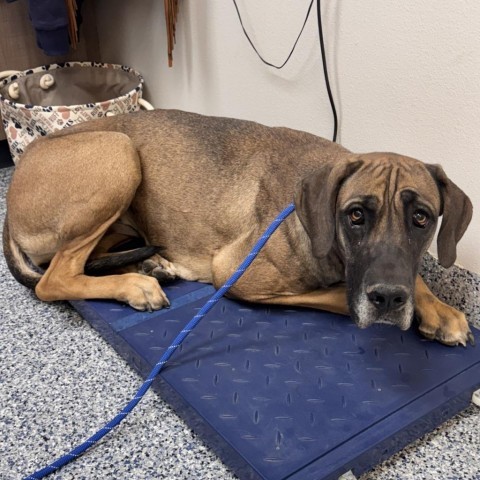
456,209
315,203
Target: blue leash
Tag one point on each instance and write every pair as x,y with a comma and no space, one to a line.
77,451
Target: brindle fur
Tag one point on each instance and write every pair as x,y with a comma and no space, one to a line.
205,188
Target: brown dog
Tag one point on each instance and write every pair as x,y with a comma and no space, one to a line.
204,189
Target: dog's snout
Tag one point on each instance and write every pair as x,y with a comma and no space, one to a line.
388,298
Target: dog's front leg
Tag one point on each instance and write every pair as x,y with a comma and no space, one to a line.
439,321
332,299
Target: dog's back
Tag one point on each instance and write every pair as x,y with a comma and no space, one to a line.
218,167
211,175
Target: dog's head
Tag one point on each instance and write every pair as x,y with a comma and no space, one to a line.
379,212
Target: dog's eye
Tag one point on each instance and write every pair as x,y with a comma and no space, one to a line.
357,216
420,218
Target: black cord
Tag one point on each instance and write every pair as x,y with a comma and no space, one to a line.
322,48
256,51
325,72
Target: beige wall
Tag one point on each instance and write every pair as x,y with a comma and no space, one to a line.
406,74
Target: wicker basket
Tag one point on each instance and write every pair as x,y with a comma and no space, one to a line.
39,101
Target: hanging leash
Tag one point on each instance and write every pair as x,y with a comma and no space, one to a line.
78,451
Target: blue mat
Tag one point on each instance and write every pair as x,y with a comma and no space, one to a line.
292,393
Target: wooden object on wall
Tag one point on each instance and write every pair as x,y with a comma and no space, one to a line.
18,45
171,13
72,22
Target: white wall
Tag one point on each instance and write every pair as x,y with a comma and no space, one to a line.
405,74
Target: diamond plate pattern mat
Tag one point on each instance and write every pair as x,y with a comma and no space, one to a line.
292,393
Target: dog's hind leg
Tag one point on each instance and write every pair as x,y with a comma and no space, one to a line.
159,268
65,194
64,279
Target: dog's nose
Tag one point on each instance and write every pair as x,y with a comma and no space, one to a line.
388,298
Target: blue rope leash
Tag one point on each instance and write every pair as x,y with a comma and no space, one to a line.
76,452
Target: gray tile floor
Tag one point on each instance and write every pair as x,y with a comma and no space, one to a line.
59,382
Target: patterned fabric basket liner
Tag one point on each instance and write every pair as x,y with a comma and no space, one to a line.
32,105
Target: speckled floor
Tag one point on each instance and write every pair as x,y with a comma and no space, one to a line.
59,382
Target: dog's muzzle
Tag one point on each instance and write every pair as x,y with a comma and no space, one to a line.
383,292
391,304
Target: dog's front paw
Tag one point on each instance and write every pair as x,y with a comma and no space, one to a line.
441,322
144,293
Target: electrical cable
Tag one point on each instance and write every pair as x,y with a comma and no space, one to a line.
322,49
325,71
255,49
